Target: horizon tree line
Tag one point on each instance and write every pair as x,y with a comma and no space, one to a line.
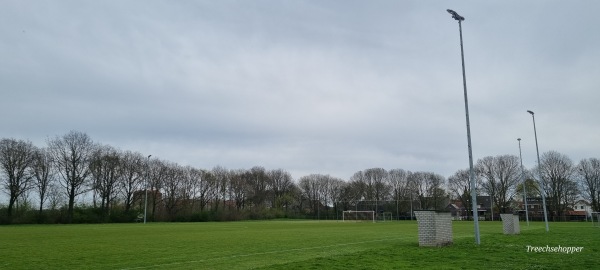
72,166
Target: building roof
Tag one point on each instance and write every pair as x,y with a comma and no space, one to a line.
584,202
576,213
453,206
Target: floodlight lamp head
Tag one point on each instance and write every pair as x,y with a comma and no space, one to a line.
518,139
455,15
530,112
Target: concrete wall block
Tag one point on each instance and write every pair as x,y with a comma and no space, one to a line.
510,224
435,228
516,224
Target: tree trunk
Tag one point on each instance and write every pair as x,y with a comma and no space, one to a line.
11,205
71,204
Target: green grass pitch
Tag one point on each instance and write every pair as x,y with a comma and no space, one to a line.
290,245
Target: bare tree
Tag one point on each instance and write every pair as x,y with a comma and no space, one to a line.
485,168
359,189
352,193
397,179
312,187
132,173
286,200
219,182
56,196
375,179
502,175
173,184
16,157
376,188
260,186
398,182
240,187
281,183
189,190
157,173
204,180
335,188
589,172
71,155
459,185
429,189
307,186
43,174
572,194
556,172
105,168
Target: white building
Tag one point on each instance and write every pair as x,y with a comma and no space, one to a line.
583,205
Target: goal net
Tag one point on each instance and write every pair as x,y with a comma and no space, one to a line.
358,216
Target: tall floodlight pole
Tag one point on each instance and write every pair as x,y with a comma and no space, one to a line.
540,182
524,188
471,171
146,188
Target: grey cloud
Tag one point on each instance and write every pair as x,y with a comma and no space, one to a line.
312,87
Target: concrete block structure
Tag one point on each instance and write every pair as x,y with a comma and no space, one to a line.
435,228
510,223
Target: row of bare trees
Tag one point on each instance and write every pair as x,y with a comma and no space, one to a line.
564,182
63,164
503,179
374,189
72,171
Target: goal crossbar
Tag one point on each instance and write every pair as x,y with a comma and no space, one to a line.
358,215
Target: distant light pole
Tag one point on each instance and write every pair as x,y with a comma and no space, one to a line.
146,188
524,188
493,187
471,172
543,191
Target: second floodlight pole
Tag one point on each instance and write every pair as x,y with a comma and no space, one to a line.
471,171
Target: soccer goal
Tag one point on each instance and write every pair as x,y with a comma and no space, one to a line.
596,216
385,216
358,216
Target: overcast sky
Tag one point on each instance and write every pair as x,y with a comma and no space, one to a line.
329,87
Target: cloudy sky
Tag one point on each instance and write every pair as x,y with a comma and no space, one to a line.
329,87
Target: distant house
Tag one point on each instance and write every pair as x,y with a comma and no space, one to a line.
484,204
572,215
459,212
535,208
583,205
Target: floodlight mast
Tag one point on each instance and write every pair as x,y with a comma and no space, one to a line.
543,189
146,188
455,15
471,170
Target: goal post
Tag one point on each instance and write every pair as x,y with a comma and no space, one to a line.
351,215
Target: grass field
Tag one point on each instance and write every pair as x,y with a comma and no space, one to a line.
290,245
